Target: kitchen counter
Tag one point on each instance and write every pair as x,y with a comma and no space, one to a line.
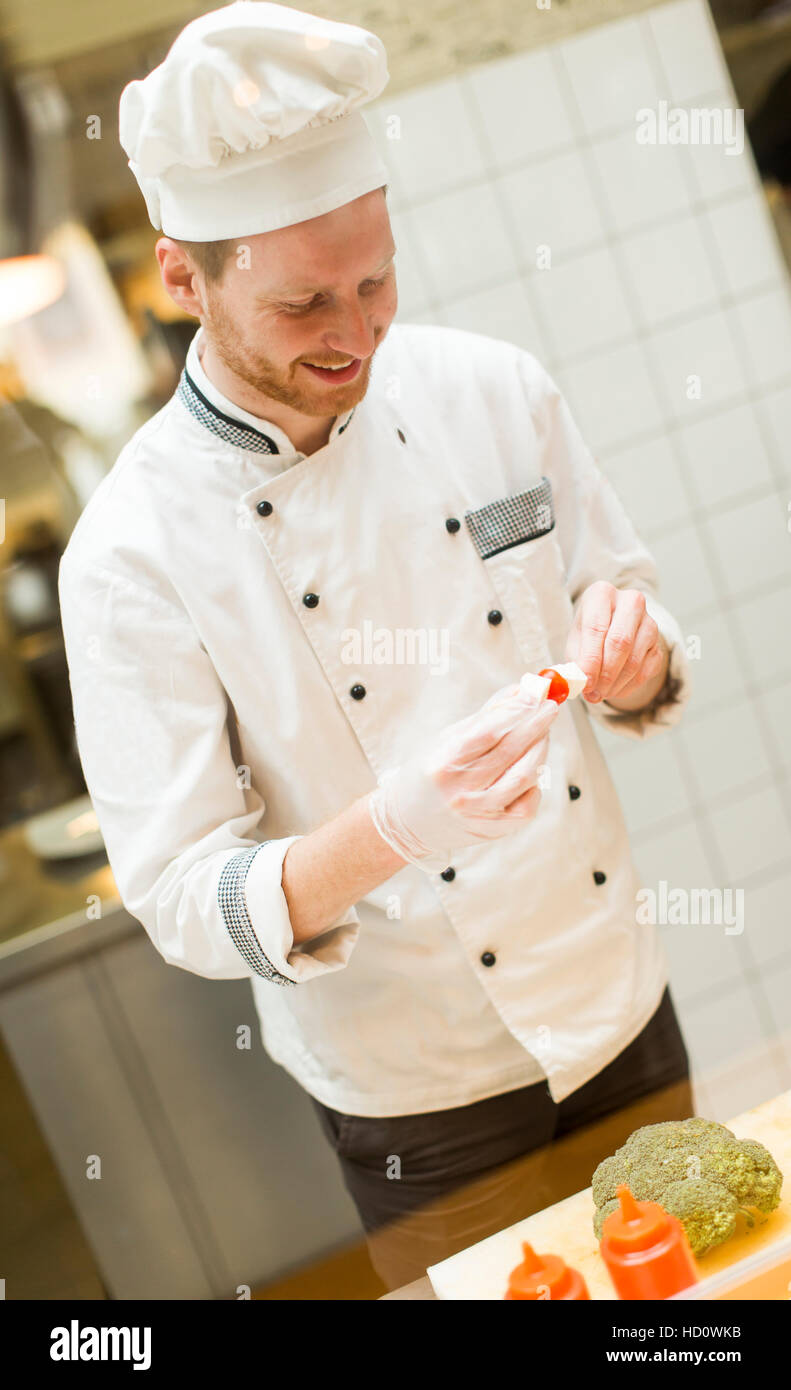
52,909
120,1054
479,1272
36,894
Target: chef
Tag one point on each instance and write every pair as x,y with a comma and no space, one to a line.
298,613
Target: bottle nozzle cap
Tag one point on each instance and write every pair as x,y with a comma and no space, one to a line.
634,1225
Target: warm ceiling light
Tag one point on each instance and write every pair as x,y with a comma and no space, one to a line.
27,284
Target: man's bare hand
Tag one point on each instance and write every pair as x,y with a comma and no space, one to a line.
618,646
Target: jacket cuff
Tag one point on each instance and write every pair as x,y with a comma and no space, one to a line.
255,911
668,704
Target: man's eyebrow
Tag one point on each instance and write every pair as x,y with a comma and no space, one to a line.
318,289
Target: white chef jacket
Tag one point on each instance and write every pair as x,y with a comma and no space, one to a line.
220,716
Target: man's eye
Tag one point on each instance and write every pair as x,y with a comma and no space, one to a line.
311,303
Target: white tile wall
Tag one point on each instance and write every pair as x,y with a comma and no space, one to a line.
751,834
717,673
747,247
614,397
724,456
775,409
521,111
677,855
505,311
704,347
612,73
668,271
639,184
688,582
714,171
725,751
549,203
690,62
760,625
582,304
651,787
649,482
463,243
763,323
773,707
751,542
664,265
767,929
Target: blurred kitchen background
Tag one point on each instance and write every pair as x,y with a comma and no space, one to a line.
517,129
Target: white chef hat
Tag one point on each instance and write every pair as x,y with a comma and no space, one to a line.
251,122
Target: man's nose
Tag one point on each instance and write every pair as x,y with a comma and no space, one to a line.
354,331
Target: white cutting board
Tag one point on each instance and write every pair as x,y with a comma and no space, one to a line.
481,1272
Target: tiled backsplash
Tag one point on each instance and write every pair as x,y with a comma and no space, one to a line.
664,264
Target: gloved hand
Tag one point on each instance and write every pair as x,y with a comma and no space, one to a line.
477,781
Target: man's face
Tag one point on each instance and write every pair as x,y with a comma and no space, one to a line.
321,291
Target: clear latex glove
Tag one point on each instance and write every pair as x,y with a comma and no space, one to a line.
477,782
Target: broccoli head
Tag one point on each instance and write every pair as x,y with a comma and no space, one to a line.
697,1170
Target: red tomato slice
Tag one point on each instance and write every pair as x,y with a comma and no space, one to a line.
558,685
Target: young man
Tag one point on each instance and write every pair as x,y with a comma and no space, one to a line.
297,613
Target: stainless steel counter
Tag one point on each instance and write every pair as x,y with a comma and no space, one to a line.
213,1172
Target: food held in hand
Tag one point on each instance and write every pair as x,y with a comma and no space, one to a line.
545,1277
566,681
698,1170
645,1249
558,683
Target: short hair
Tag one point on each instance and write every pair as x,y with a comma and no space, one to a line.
211,257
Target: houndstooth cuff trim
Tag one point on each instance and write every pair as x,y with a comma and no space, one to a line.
233,906
511,520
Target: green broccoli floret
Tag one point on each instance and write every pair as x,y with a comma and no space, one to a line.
696,1169
706,1210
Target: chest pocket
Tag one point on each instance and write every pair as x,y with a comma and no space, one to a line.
516,540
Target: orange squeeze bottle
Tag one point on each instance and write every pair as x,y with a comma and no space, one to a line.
545,1277
646,1250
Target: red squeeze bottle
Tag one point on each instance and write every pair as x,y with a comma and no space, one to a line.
646,1250
539,1274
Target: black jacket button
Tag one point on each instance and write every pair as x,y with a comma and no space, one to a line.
598,876
452,524
494,617
574,792
448,874
357,692
488,958
310,600
264,508
401,436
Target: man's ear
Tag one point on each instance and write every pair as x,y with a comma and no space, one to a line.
180,277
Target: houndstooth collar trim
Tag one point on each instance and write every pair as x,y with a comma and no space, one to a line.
208,415
224,426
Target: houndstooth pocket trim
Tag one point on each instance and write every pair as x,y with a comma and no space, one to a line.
511,520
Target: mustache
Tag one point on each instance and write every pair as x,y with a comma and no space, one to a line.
310,361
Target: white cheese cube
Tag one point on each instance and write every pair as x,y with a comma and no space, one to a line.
574,677
533,687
